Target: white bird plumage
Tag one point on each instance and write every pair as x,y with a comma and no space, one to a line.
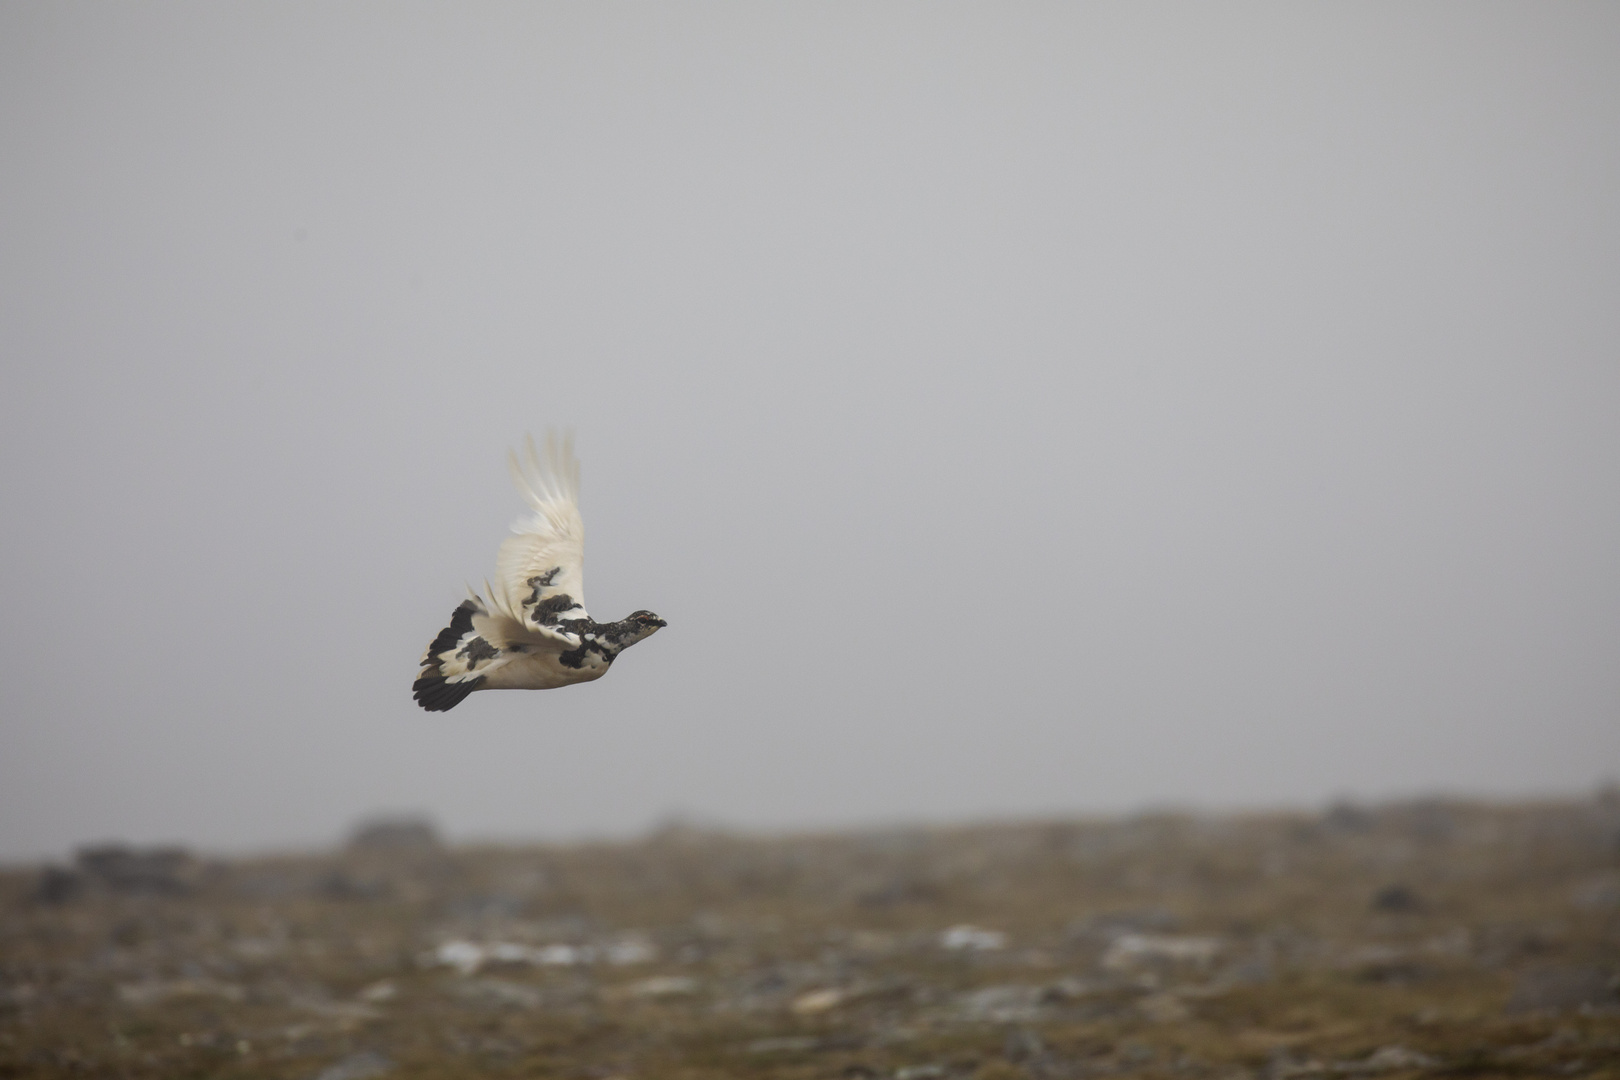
529,630
552,536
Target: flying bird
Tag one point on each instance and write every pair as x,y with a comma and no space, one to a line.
530,630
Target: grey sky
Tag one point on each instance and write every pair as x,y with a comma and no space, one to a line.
1013,408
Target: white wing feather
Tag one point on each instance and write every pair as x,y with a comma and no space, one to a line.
540,571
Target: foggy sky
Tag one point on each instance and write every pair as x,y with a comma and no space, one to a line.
1014,408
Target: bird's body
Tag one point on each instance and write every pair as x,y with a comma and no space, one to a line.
530,629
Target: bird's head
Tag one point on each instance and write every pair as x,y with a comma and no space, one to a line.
640,624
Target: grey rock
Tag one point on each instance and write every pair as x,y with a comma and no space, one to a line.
150,871
920,1072
895,891
1022,1044
1109,926
499,993
360,1066
1585,987
1347,817
1597,894
783,1044
1391,1058
395,835
1014,1004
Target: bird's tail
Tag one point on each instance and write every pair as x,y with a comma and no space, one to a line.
433,690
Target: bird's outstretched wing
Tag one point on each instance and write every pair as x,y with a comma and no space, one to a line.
476,646
540,571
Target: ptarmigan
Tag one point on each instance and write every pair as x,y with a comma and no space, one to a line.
533,632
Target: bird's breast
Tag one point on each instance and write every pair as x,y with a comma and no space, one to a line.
546,670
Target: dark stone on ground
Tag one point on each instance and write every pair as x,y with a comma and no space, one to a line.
1397,899
151,871
401,835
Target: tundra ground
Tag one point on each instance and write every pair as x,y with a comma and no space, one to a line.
1426,938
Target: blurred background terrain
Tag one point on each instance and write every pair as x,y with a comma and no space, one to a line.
1424,938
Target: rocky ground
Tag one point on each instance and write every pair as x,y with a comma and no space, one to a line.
1420,939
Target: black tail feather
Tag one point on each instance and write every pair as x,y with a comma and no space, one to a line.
434,694
431,690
